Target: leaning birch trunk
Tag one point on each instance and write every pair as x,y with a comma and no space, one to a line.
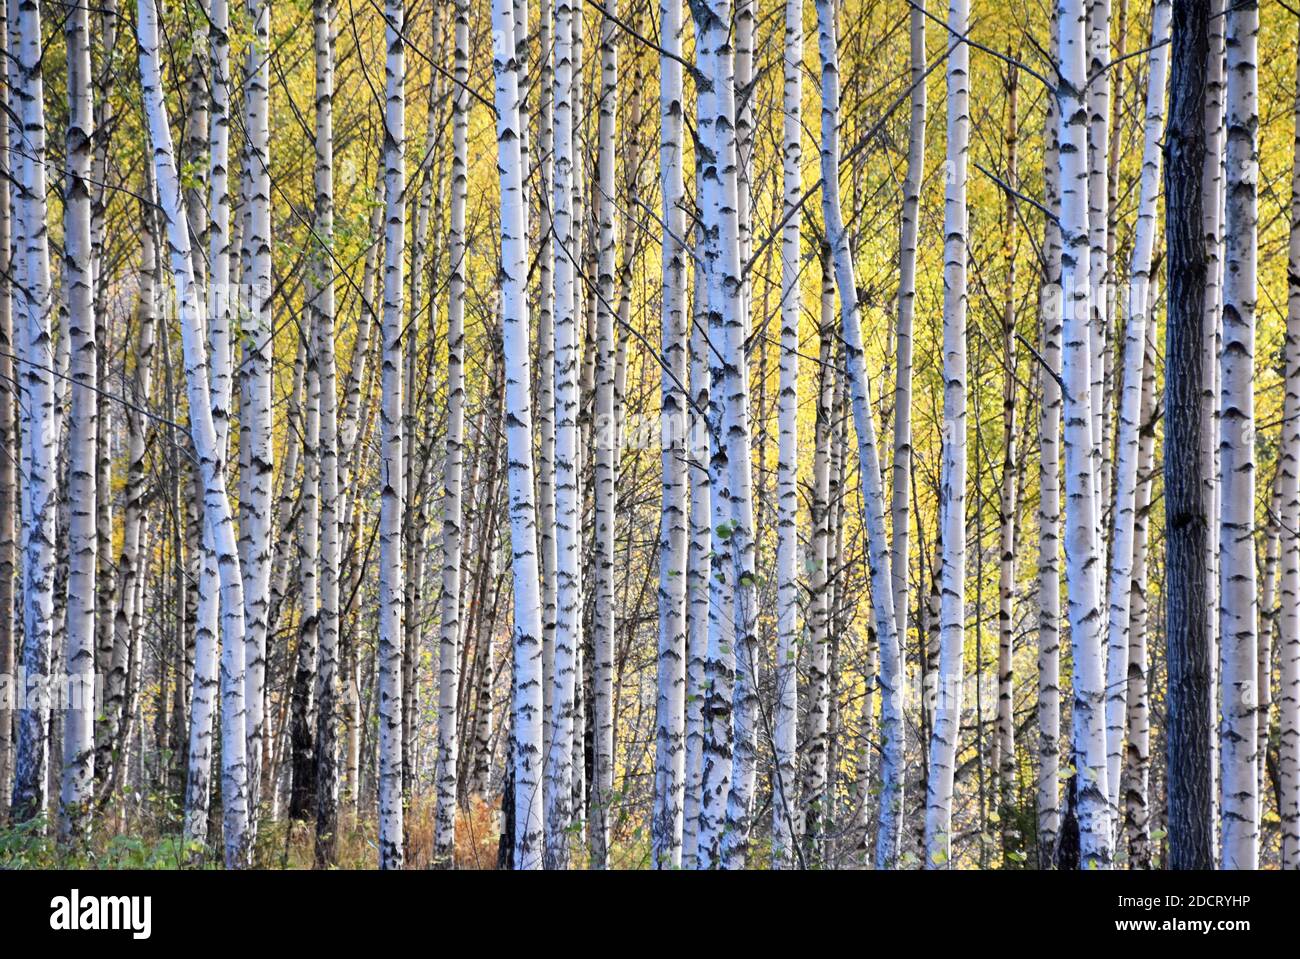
205,686
526,709
445,779
37,413
889,835
952,505
255,479
218,516
391,845
785,745
606,453
1289,620
670,719
83,539
1130,407
1238,599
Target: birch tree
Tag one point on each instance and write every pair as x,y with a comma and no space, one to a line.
1082,557
1289,468
891,693
606,451
568,626
1212,217
671,699
818,685
255,474
1008,494
10,260
1137,820
1096,93
453,467
526,706
1238,599
1127,443
952,506
698,566
37,415
391,845
326,774
724,830
83,537
126,633
784,798
900,487
218,516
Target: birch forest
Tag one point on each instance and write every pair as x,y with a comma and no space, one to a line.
650,434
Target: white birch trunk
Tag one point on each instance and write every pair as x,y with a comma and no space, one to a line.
1096,93
901,484
818,686
698,560
36,403
1289,465
391,835
724,833
952,506
1130,405
526,727
10,260
1082,557
326,758
1008,498
568,535
606,450
218,517
1137,815
453,467
255,477
785,737
1049,499
83,537
891,673
125,635
670,709
1238,599
1212,215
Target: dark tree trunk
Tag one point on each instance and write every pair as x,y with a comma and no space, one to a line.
1187,651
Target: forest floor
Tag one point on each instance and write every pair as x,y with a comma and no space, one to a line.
146,835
